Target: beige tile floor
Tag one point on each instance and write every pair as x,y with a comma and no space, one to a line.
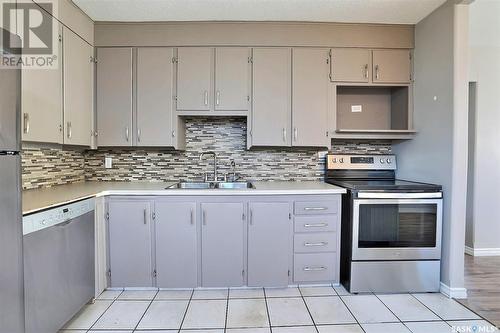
326,309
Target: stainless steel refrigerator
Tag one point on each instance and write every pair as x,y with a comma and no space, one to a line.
11,232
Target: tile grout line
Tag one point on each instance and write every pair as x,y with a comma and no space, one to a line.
429,309
348,309
267,310
187,308
149,305
307,308
227,310
112,302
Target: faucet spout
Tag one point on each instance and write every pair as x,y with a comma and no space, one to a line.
215,163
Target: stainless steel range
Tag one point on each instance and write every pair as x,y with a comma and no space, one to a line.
391,228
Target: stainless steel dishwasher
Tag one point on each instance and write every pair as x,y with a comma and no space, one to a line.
58,264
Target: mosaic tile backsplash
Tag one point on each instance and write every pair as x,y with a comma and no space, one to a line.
226,136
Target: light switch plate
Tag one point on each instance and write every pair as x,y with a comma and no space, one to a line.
356,108
108,162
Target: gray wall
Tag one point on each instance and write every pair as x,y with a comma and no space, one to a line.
431,156
485,71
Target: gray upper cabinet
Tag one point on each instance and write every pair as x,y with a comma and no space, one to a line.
271,97
154,97
114,97
391,66
130,253
78,90
222,244
350,65
42,108
232,78
310,97
269,244
176,249
194,77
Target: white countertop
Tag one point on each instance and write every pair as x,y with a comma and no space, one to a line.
39,199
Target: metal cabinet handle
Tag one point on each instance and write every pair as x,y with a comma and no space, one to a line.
138,135
376,72
204,218
250,217
366,71
316,244
69,129
315,225
284,134
205,98
26,123
173,134
145,216
192,217
295,133
313,269
217,97
126,133
315,208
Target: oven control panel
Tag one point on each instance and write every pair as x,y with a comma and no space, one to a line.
360,162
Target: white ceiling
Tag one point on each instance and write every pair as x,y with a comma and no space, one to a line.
352,11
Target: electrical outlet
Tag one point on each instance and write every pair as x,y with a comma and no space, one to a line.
108,162
322,154
356,108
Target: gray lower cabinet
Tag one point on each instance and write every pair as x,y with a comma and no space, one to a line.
175,244
269,244
130,251
222,261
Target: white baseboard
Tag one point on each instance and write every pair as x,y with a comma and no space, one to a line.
484,252
459,293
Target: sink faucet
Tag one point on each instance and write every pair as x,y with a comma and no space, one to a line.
215,163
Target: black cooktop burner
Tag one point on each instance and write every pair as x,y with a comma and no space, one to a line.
385,185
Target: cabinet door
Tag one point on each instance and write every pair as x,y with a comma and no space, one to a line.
391,66
194,69
349,65
78,89
269,244
130,257
175,233
231,78
271,97
114,96
310,96
222,244
154,96
42,109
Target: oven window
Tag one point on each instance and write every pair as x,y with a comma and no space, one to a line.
397,225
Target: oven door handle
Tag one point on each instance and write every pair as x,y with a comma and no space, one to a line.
399,195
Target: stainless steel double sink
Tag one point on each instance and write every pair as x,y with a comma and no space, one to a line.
211,185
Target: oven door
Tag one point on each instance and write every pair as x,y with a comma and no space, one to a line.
397,229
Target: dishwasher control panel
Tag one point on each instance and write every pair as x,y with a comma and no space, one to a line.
53,216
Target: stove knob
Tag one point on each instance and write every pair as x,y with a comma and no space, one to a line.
389,161
341,160
382,161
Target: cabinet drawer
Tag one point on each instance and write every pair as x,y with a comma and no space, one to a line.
315,242
316,207
315,267
316,223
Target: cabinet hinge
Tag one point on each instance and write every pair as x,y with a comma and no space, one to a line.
175,98
243,216
251,133
289,216
60,38
93,59
154,216
250,60
288,272
327,61
243,273
175,60
248,98
109,272
154,273
326,133
107,216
